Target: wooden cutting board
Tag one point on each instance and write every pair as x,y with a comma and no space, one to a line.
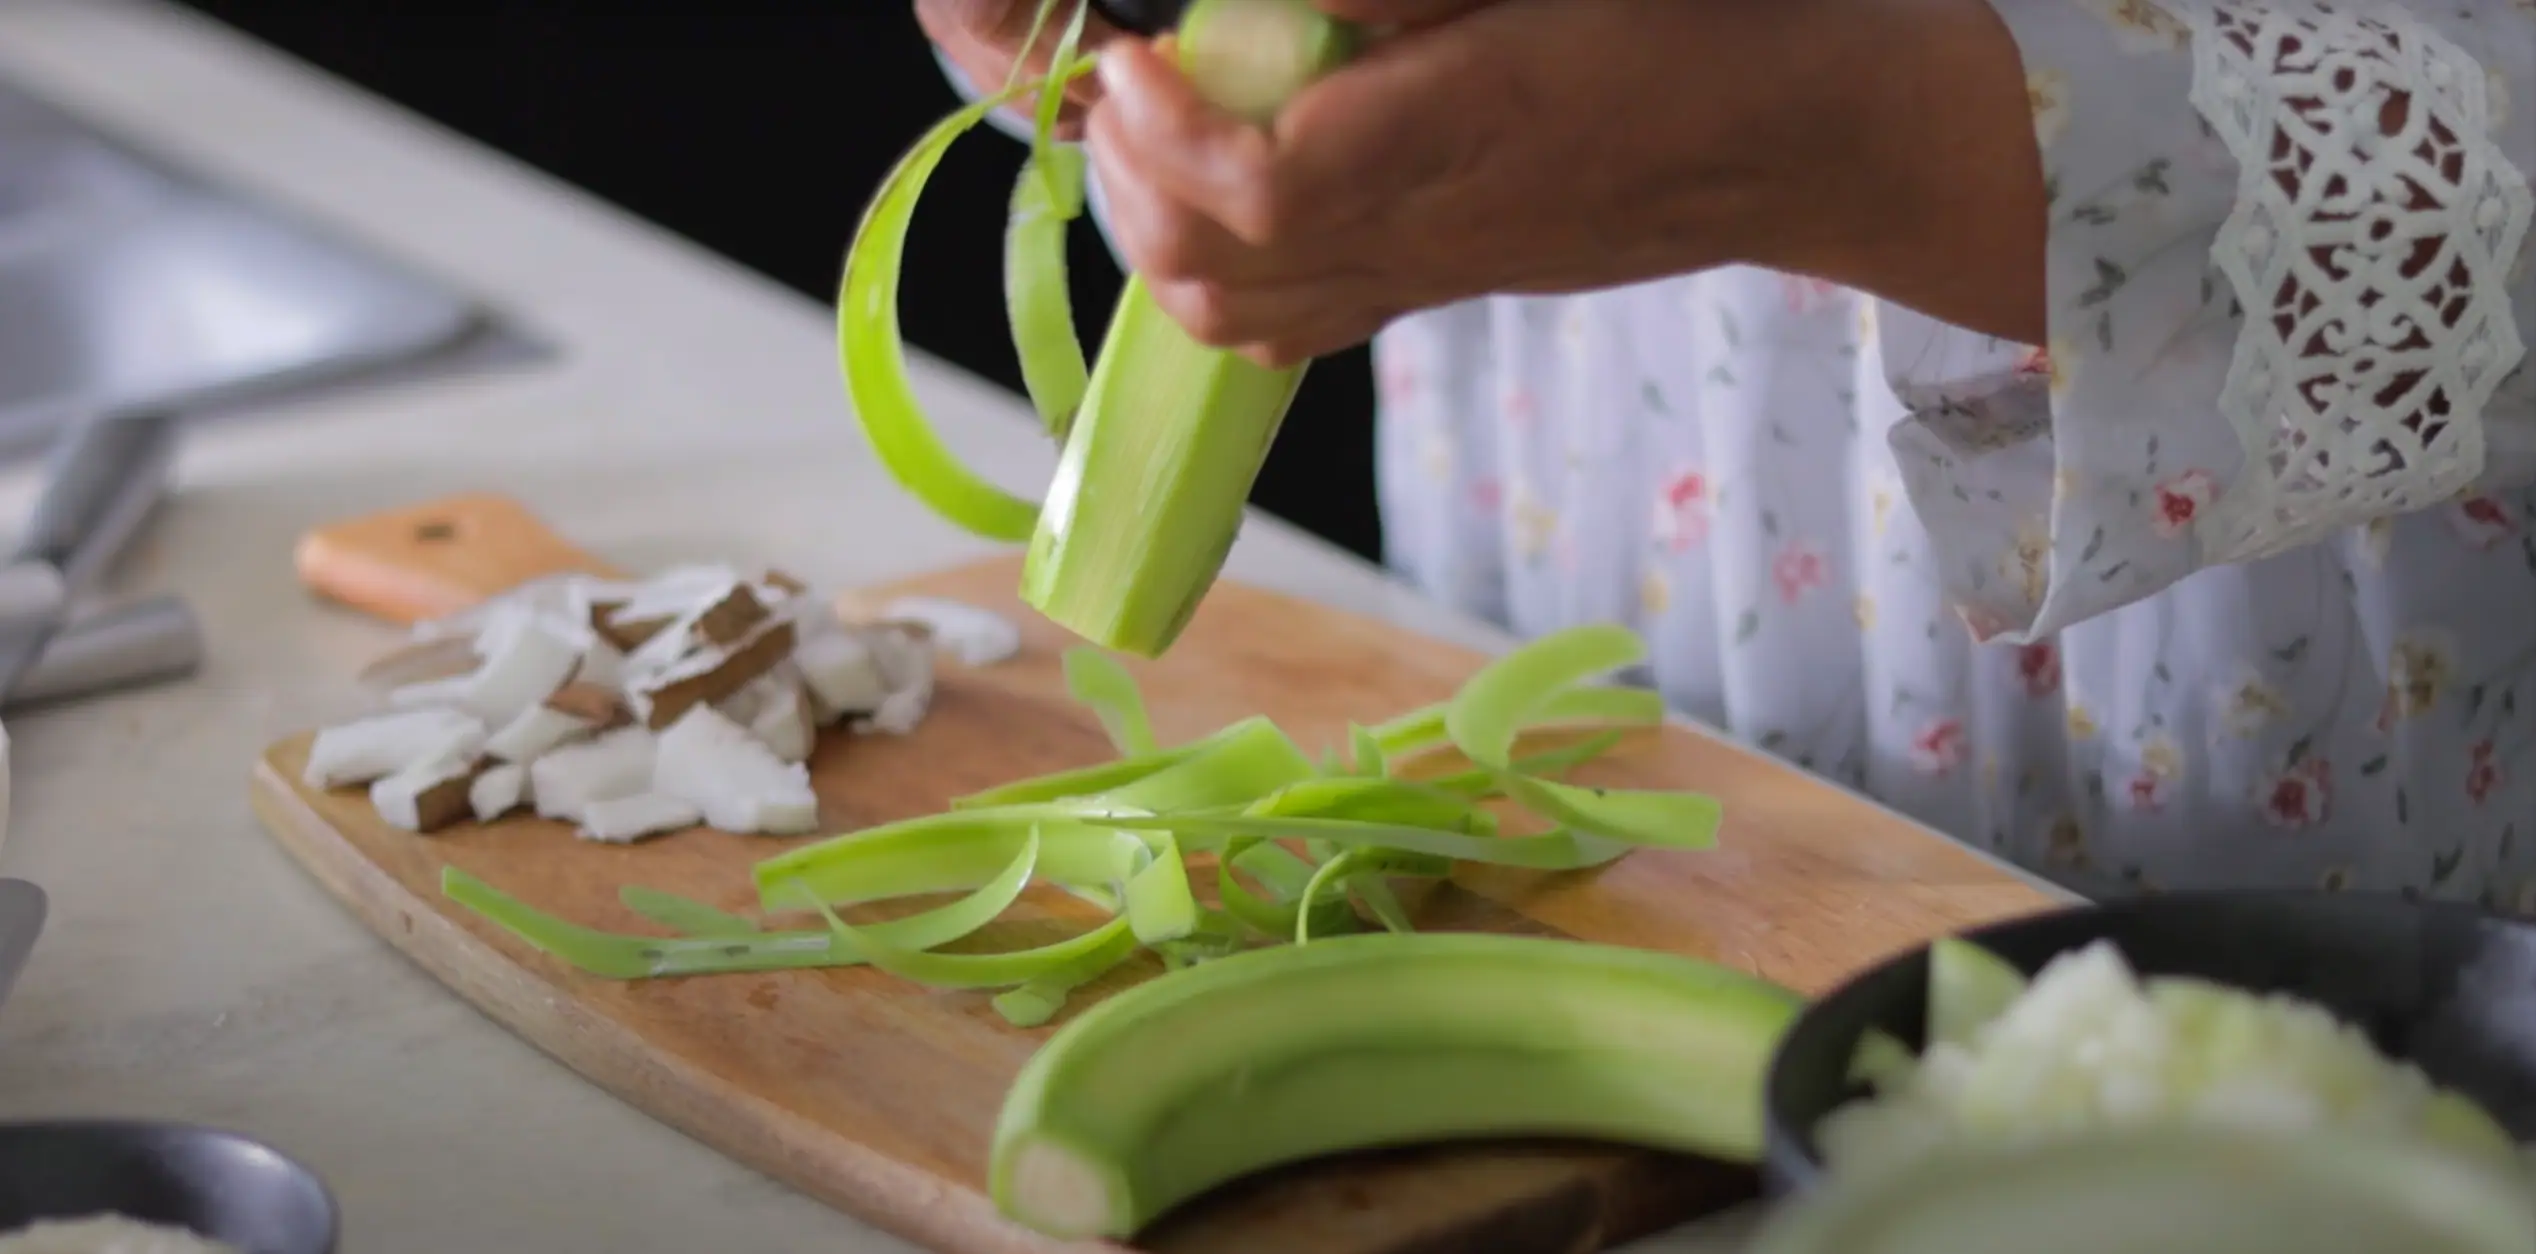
879,1097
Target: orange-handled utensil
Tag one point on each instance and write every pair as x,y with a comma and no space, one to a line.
427,560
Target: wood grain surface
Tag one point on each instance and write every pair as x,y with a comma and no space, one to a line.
879,1097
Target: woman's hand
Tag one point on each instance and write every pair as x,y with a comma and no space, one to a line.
984,38
1567,145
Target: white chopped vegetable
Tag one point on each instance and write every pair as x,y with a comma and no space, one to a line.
733,777
617,764
367,749
975,636
497,791
2090,1046
622,820
536,730
425,797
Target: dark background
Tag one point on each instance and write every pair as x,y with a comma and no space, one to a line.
758,130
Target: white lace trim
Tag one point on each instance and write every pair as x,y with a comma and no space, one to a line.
2370,265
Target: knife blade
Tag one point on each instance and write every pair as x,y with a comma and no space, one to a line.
23,907
102,479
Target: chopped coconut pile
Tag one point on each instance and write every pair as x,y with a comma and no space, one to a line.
631,709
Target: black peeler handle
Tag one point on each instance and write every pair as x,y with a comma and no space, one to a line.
1140,17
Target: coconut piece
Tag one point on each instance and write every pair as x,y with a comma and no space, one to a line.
663,650
708,675
501,625
449,692
601,664
616,764
785,723
497,790
899,712
624,634
649,621
904,653
842,674
534,732
364,750
785,583
426,796
624,820
904,649
422,662
546,592
975,636
729,618
733,777
600,707
742,707
675,592
589,602
523,667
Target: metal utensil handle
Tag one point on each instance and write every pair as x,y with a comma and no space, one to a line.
102,479
146,642
23,908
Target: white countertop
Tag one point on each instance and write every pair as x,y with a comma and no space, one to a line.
190,970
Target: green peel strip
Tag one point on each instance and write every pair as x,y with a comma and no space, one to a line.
967,970
1038,999
950,852
683,915
873,353
1103,686
1160,906
622,957
1047,198
722,950
1490,711
1038,301
1422,730
1117,834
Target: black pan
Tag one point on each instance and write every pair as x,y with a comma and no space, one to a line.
216,1184
2446,986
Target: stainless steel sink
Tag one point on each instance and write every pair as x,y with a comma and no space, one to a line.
125,282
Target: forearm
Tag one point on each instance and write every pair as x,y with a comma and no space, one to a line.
1935,198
